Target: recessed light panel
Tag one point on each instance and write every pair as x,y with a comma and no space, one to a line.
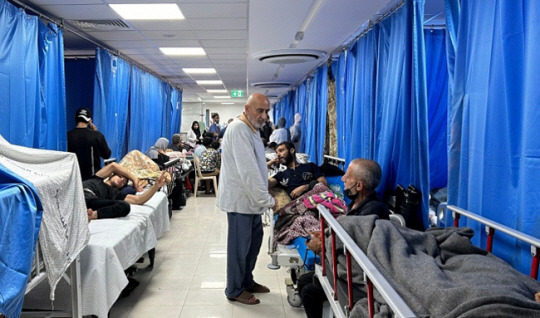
207,70
222,97
146,11
183,51
217,91
227,103
209,82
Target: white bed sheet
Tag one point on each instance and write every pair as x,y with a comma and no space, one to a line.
115,245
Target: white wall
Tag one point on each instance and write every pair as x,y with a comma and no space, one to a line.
193,111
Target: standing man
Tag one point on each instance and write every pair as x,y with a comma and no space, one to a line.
243,194
87,143
215,128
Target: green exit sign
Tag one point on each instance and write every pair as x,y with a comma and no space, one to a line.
237,93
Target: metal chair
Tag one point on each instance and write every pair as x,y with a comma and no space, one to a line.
200,176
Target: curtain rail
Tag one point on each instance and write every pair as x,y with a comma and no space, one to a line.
62,24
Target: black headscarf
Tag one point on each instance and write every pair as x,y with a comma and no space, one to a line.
196,131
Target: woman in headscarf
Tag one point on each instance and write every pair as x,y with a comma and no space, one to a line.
157,151
281,133
194,134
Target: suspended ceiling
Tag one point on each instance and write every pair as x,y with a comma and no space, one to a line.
231,32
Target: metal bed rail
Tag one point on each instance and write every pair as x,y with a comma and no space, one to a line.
491,226
372,275
338,162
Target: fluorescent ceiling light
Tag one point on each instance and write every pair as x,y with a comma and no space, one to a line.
222,97
186,51
217,91
227,103
207,70
156,11
209,82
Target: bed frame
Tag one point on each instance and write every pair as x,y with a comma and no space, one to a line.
341,307
291,257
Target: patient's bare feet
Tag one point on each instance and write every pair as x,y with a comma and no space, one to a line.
537,297
92,215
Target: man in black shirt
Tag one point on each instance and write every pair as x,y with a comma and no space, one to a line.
87,143
104,198
298,178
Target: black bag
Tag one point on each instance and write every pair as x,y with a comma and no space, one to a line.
177,195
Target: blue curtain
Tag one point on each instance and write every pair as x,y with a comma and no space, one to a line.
361,144
401,130
51,115
111,93
341,86
19,75
147,104
437,89
300,108
174,112
80,76
20,221
495,109
317,102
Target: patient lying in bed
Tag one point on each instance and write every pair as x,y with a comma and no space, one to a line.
104,198
439,273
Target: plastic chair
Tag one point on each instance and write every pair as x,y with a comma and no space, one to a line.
200,176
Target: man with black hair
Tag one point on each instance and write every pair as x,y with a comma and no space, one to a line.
104,198
298,178
215,128
87,143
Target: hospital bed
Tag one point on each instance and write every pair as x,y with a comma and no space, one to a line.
381,285
114,246
296,256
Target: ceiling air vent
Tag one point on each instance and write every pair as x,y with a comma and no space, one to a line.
289,56
100,25
271,85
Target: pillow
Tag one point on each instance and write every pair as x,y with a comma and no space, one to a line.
281,197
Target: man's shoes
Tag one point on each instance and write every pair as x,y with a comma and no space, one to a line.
246,298
258,288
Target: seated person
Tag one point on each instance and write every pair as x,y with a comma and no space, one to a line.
176,143
298,178
210,163
158,152
361,179
201,148
104,198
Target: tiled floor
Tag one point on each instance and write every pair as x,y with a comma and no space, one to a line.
188,278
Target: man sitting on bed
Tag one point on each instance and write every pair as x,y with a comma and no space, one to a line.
104,198
298,178
361,179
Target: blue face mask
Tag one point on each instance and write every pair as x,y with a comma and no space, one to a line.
348,194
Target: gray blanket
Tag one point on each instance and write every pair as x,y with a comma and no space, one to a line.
439,273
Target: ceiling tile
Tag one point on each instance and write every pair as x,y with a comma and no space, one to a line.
214,10
219,24
82,11
117,35
120,45
222,34
225,43
170,35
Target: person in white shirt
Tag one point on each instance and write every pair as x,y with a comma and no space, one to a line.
243,194
194,134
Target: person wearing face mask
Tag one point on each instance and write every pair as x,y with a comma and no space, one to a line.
361,179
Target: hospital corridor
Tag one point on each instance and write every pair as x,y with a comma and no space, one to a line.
269,158
190,270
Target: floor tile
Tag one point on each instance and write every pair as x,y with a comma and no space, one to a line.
155,311
259,311
207,311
